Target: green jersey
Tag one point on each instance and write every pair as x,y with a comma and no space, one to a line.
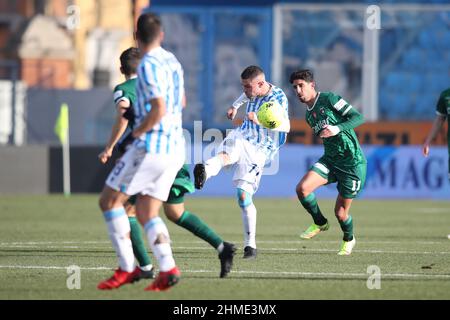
443,109
126,91
342,150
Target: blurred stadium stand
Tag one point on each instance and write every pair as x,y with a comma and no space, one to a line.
220,38
214,41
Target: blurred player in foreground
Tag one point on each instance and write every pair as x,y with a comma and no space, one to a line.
333,119
149,166
174,207
124,99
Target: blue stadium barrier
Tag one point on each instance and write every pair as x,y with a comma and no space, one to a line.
393,173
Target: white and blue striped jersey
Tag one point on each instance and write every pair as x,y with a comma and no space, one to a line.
160,75
268,140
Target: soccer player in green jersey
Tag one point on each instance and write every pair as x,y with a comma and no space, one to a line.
442,112
332,119
125,97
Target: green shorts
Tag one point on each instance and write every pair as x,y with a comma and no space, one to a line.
180,187
350,180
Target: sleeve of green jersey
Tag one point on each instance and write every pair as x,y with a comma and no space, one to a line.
119,95
441,108
352,117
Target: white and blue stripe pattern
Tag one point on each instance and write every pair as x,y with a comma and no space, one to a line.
160,75
270,141
114,213
151,223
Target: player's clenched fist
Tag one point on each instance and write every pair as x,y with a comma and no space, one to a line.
104,156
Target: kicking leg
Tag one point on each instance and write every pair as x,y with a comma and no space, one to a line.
210,168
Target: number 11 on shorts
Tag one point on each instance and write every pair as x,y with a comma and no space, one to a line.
356,185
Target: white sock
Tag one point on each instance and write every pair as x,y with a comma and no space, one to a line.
220,248
146,268
119,233
249,221
162,251
213,166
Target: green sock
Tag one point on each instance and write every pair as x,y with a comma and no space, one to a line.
194,224
310,204
347,227
138,243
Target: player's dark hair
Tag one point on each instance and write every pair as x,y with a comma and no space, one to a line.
304,74
251,72
129,61
148,27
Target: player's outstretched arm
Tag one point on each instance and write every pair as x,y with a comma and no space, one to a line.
117,130
437,125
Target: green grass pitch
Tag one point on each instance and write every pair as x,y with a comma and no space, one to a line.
40,236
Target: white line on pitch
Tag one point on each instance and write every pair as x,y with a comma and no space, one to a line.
286,273
262,249
328,250
200,241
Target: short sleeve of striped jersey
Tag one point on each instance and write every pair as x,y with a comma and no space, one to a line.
153,78
441,107
285,105
120,95
283,101
339,104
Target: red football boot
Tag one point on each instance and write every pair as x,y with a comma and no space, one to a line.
118,279
165,280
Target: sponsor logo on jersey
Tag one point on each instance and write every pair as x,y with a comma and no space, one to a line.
319,126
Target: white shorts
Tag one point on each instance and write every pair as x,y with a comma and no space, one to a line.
247,160
139,172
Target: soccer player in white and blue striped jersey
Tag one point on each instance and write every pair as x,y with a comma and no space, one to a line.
248,148
150,165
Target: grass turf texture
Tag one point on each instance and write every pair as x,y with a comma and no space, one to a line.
40,236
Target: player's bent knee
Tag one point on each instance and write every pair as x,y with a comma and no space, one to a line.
173,212
302,191
341,214
244,198
103,202
172,215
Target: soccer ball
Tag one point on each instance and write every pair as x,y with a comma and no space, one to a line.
270,114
